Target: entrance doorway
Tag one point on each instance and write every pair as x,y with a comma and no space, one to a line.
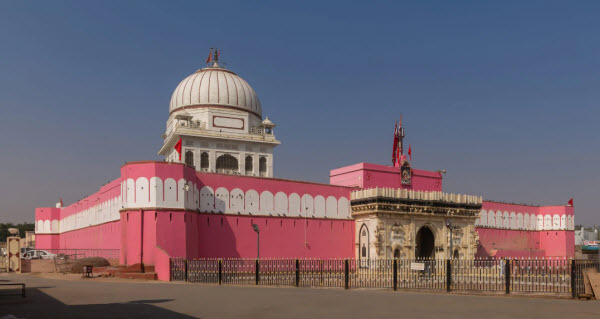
396,253
425,243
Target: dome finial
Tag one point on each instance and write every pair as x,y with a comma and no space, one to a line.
213,57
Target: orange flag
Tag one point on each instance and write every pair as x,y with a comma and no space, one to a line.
178,148
209,57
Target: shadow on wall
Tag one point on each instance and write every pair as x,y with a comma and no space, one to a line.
211,234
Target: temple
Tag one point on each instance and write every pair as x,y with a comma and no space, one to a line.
217,182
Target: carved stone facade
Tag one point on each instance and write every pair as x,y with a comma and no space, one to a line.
393,226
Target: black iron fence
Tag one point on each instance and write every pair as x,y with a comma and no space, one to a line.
577,280
562,276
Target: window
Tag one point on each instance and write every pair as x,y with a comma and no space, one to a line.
227,164
248,165
204,161
262,166
189,157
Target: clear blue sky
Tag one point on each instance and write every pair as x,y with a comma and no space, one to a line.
504,95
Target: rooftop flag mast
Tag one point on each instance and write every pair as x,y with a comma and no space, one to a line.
398,143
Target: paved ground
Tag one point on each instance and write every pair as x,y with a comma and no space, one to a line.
101,298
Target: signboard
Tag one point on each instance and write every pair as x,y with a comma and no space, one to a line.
417,266
590,245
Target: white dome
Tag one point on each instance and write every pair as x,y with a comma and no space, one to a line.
215,86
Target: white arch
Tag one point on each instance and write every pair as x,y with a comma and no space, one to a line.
491,219
281,203
130,192
156,191
519,221
266,203
571,222
319,206
506,220
142,193
483,217
222,200
343,207
294,202
207,199
556,222
46,226
513,220
331,207
499,220
181,198
526,221
236,201
251,202
547,222
40,226
533,222
307,207
170,188
189,195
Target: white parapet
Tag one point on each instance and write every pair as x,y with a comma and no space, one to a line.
411,194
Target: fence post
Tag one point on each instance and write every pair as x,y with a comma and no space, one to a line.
346,273
395,274
257,266
449,275
507,274
573,283
297,272
186,269
220,271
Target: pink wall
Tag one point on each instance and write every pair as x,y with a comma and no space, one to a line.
162,264
105,236
365,175
508,243
229,236
46,241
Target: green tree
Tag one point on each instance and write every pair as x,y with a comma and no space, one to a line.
21,227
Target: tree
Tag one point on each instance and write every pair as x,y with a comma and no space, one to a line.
23,227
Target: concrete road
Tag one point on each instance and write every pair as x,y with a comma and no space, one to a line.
98,298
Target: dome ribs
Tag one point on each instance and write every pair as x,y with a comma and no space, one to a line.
215,87
182,88
192,88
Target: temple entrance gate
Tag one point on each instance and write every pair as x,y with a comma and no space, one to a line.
425,243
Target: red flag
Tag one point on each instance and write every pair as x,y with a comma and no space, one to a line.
178,148
209,57
409,152
395,144
61,204
571,201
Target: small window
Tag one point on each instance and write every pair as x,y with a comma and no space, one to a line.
262,166
189,158
204,161
248,165
227,164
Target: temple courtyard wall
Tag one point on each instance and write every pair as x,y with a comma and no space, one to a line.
156,210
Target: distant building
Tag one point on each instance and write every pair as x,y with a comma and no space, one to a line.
587,240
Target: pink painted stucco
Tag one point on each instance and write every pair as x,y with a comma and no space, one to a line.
502,241
152,224
365,175
162,264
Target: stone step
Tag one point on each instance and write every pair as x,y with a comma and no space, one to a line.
138,275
